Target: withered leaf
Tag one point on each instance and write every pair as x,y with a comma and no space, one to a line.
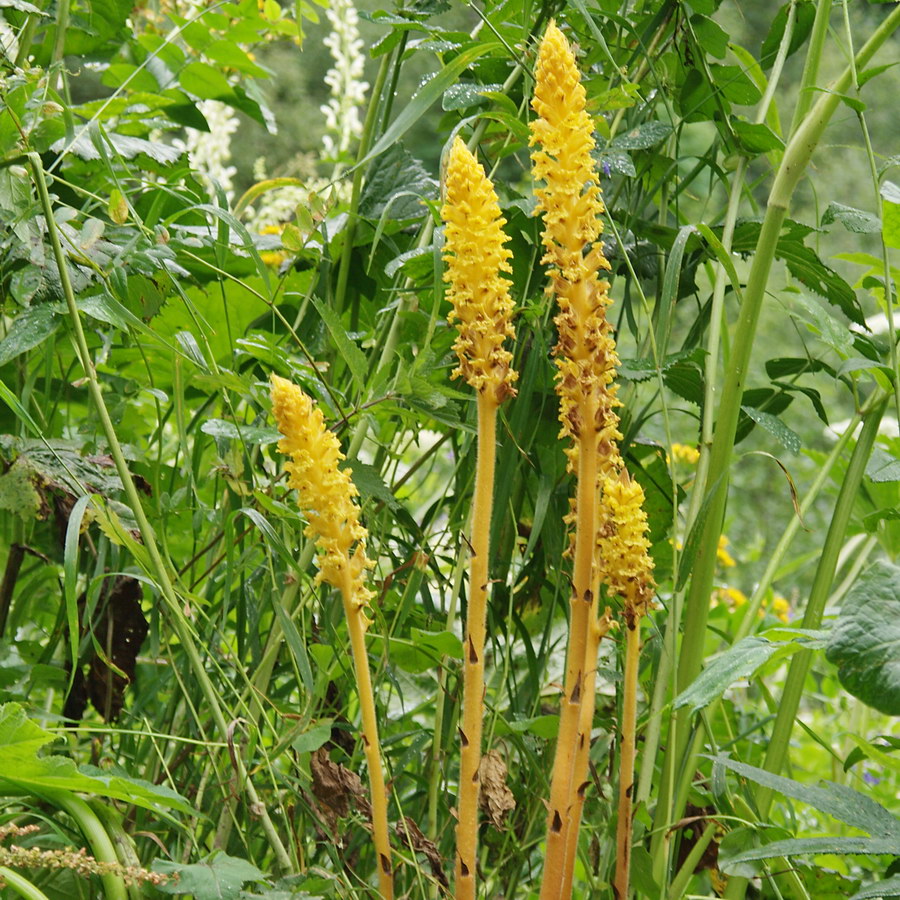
335,786
412,836
496,798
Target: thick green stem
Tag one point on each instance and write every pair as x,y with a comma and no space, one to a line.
473,655
779,742
22,886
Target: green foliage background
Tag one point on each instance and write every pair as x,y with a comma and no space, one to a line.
244,673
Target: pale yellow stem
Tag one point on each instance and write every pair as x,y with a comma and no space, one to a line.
473,656
598,628
560,828
356,626
626,758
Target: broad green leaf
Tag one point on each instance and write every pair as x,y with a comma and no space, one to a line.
397,187
741,661
826,326
836,800
865,641
775,427
805,846
22,769
311,740
217,877
28,330
890,213
368,480
248,434
546,726
422,651
882,466
756,138
204,81
643,137
856,220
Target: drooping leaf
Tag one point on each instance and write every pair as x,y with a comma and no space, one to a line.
836,800
23,769
865,642
741,661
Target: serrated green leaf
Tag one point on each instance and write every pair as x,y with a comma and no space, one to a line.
890,214
882,890
865,641
217,877
806,846
784,435
882,466
248,434
856,220
836,800
27,331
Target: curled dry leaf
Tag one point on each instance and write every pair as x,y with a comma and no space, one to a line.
496,798
335,786
412,836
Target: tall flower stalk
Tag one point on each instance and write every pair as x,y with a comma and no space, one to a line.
586,362
326,494
475,256
628,572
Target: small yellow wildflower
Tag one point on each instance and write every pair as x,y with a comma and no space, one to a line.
325,492
781,608
722,554
475,257
732,597
626,565
685,453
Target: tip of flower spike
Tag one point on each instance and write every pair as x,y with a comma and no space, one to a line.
475,255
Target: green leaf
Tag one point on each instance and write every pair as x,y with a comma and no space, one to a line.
890,213
27,331
397,187
755,138
836,800
643,137
202,80
19,493
370,483
856,220
775,427
615,162
248,434
422,651
425,97
741,661
311,740
882,890
882,467
801,846
217,877
350,353
865,641
464,94
22,769
828,328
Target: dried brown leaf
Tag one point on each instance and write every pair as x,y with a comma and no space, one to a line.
496,798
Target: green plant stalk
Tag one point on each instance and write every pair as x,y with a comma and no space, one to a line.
355,617
473,654
686,872
22,886
122,842
95,834
562,786
779,742
810,77
793,166
158,566
626,759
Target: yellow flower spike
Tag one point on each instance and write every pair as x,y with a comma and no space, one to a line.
624,546
586,360
475,256
326,495
482,308
628,572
